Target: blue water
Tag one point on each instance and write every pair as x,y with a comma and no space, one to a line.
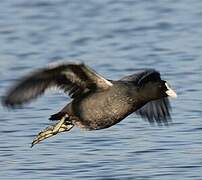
114,37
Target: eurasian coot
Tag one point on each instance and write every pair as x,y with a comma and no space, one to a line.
97,103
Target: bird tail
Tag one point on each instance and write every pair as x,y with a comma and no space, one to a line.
57,116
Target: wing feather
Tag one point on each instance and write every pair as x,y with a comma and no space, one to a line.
76,79
157,110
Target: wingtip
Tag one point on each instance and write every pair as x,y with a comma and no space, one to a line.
7,103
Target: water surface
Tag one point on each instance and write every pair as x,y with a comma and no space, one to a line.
114,38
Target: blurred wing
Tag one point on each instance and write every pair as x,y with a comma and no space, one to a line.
156,111
76,79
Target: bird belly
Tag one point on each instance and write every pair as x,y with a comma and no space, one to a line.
103,111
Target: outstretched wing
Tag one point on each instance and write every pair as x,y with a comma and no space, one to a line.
76,79
156,111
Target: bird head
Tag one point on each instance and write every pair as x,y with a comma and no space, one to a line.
157,89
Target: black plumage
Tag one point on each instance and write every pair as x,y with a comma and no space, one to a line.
97,103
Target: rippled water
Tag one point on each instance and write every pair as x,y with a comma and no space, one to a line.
114,37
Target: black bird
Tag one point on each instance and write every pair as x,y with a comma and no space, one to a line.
97,103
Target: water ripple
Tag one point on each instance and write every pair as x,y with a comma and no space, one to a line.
116,38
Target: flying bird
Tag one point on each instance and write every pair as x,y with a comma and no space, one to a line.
96,102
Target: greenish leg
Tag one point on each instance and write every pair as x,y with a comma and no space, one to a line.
62,126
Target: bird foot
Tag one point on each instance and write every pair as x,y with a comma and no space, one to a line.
62,126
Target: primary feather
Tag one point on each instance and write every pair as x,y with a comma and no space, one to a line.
76,79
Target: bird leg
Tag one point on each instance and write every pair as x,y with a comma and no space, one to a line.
62,126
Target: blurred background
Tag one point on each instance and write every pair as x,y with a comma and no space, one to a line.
114,37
